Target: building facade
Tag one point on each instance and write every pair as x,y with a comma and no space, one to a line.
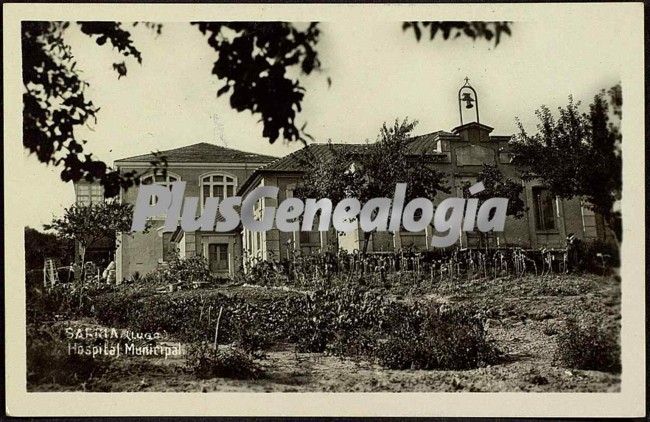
460,154
215,171
209,171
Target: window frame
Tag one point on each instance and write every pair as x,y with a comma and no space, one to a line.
540,216
219,249
167,183
234,182
87,194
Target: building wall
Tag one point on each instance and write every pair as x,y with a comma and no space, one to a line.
143,252
139,253
275,244
462,159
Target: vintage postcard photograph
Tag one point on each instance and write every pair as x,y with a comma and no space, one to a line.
219,209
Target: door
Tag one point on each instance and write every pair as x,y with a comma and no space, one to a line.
218,257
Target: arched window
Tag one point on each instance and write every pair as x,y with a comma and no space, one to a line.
159,179
217,185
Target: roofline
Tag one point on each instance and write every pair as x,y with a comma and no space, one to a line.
190,164
257,174
469,124
248,182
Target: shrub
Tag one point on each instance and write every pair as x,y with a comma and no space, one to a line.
49,361
596,253
225,362
117,308
60,301
184,270
252,338
589,344
344,320
437,338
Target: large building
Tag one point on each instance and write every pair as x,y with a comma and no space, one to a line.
209,171
215,171
460,154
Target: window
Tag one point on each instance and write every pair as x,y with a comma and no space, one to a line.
218,257
217,186
544,213
89,193
588,221
168,247
159,179
417,241
310,237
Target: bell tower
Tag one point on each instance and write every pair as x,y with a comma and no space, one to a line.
468,95
470,128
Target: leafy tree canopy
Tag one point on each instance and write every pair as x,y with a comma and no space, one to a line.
455,29
498,186
87,224
253,61
373,169
578,154
39,245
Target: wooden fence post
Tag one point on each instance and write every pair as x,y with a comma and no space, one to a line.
216,328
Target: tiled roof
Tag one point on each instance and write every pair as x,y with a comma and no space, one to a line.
423,144
202,152
297,160
427,144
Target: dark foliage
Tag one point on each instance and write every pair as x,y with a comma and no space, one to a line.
348,321
39,245
180,270
578,154
589,344
499,186
372,170
206,362
599,256
48,359
54,101
455,29
254,60
437,338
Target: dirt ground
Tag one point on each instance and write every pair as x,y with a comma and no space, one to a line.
523,318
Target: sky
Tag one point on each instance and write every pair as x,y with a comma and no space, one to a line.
378,72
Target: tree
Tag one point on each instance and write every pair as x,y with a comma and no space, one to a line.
39,245
474,30
372,170
253,61
578,154
86,224
497,186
